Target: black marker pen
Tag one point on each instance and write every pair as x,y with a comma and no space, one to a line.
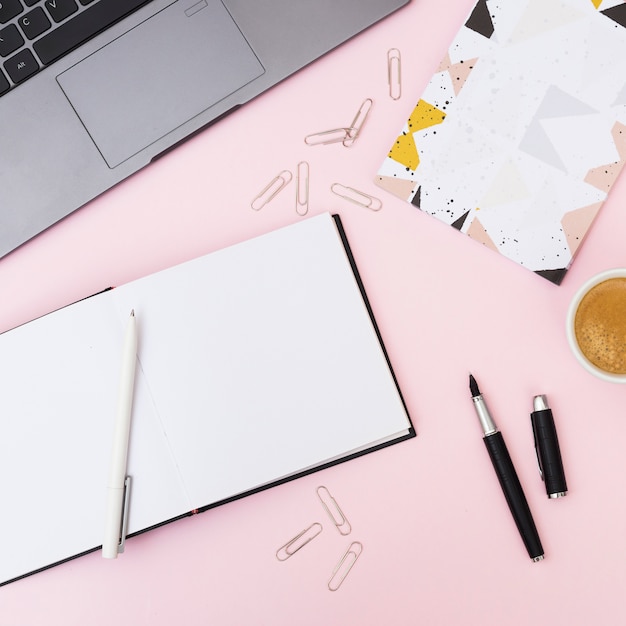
507,476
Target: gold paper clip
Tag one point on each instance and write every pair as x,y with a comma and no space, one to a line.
345,565
299,541
357,123
302,188
271,190
394,73
334,512
357,197
335,135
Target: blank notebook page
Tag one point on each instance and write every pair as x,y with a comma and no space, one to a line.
263,360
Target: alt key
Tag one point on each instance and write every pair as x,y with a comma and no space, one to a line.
21,66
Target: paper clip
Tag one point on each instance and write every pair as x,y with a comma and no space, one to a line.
326,137
302,188
394,73
334,512
357,123
344,566
271,190
357,197
299,541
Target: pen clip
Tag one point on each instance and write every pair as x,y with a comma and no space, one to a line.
124,520
537,453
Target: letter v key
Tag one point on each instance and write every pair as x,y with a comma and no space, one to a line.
61,9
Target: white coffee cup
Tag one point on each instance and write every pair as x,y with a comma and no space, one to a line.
570,325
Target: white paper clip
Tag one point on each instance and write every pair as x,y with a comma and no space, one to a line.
394,73
357,123
344,566
269,192
302,188
357,197
299,541
326,137
334,512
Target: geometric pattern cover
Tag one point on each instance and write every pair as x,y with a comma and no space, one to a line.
521,132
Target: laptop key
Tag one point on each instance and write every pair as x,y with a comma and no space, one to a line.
9,9
34,23
4,84
84,26
60,9
20,66
10,40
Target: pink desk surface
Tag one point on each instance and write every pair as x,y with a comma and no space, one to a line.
440,546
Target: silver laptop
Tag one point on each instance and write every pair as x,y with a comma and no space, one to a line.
93,90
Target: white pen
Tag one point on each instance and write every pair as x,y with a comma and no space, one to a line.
113,533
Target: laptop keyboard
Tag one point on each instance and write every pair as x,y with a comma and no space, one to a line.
35,33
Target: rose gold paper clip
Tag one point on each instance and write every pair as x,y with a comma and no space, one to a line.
344,566
302,188
357,197
299,541
269,192
346,135
357,123
334,512
326,137
394,73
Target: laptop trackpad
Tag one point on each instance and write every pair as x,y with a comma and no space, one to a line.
167,70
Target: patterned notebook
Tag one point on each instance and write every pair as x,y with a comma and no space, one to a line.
521,132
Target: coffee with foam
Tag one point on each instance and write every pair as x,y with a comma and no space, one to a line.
600,325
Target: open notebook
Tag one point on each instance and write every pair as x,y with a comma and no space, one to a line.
256,364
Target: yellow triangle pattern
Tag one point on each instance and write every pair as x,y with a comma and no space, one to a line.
425,115
596,3
404,151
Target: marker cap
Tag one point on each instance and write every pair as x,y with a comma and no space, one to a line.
547,448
